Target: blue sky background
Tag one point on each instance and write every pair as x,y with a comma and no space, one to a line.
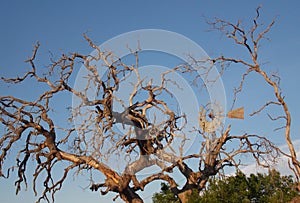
59,25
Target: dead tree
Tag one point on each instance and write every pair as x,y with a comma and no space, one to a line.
87,146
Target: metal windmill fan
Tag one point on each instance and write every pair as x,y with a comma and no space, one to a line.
211,117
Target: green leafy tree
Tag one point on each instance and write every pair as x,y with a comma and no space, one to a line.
165,195
271,187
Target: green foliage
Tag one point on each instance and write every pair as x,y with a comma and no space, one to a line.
256,188
165,195
239,188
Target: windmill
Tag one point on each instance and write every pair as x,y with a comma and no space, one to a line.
211,117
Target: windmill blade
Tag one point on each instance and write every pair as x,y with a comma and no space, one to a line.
236,113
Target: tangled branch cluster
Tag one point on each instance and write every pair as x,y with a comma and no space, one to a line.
87,145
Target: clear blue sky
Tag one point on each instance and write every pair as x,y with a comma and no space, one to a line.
59,26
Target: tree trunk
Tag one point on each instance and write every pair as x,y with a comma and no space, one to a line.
184,196
129,196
